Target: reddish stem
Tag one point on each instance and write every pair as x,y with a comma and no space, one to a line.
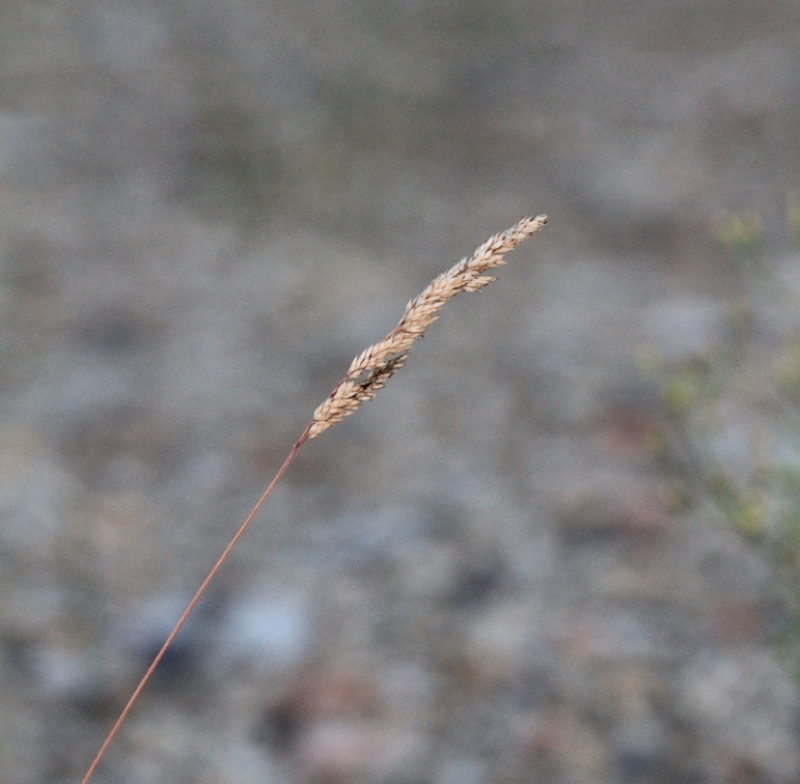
195,599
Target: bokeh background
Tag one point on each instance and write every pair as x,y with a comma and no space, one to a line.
206,210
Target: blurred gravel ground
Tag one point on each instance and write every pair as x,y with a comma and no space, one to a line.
206,209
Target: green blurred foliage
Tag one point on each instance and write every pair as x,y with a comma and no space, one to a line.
730,416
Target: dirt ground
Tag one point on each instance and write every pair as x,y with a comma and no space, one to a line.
206,210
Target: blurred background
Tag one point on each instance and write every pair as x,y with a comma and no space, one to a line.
512,566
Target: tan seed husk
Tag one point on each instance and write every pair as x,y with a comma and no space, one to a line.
377,364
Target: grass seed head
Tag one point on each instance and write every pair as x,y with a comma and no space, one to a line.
383,359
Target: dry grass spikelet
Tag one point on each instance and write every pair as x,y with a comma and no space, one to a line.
381,360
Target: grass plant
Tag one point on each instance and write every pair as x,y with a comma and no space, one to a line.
368,373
